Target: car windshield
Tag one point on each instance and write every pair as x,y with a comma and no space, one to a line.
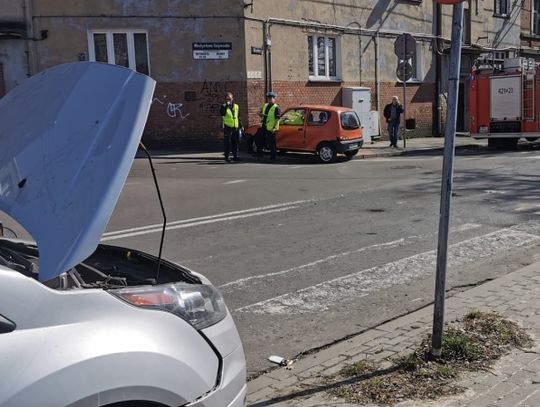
349,120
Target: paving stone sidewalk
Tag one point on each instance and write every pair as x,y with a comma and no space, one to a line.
514,380
376,150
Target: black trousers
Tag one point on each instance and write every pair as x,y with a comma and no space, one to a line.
266,138
230,141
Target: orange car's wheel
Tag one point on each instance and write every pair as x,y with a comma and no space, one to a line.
327,152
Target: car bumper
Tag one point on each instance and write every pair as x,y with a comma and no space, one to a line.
232,389
349,145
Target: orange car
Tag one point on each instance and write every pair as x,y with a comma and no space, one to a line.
323,130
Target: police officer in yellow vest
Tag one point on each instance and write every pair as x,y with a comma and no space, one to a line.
270,115
231,125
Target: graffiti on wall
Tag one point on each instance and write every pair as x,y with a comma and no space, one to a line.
173,110
211,97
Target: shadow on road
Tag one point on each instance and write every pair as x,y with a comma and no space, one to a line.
282,159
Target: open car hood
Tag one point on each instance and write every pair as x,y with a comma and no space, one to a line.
68,136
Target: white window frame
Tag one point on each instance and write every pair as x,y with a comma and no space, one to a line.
533,12
326,77
499,13
110,46
417,78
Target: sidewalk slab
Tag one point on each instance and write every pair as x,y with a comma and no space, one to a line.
514,381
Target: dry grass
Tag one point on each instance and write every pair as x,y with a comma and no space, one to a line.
470,344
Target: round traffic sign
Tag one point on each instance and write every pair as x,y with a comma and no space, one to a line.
405,46
404,71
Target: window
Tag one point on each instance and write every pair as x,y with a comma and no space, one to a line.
501,8
318,117
293,117
349,120
124,48
323,55
416,65
536,17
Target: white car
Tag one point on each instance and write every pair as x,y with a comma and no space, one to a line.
84,324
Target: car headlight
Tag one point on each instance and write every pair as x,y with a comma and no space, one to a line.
199,304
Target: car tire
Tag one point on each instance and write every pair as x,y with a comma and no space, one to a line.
326,152
494,143
510,143
531,138
350,154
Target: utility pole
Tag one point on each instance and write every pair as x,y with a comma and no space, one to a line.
448,169
405,102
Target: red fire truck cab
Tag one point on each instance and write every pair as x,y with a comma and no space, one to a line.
504,102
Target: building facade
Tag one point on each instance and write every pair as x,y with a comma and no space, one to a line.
305,50
530,29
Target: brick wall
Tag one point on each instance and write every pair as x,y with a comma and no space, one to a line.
186,115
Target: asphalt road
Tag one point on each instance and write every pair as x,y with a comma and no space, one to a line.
306,254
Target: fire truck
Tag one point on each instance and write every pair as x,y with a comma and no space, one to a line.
504,101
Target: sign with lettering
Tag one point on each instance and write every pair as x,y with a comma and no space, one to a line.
211,50
505,95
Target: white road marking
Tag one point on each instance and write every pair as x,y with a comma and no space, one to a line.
526,207
328,294
465,226
246,213
242,282
236,181
202,222
494,191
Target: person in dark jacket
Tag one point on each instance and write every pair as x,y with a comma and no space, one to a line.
392,112
231,127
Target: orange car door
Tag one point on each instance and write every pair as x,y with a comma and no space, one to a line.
320,127
291,133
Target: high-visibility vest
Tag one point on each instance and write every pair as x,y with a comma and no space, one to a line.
271,122
231,117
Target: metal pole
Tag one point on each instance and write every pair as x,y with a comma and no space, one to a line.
446,184
405,95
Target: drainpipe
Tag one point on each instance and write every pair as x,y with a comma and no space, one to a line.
378,82
265,56
30,35
438,69
268,57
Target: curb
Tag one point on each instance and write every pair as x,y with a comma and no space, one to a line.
361,156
